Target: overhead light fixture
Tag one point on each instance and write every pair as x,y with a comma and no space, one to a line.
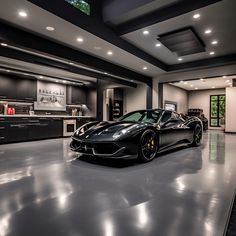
57,81
202,79
80,40
41,77
132,80
50,28
158,45
109,53
181,81
227,81
196,88
64,81
214,42
4,44
180,59
145,32
8,71
212,53
105,73
185,82
213,87
22,14
208,31
71,63
196,16
191,85
224,77
145,68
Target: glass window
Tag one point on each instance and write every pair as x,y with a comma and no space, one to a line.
217,110
81,5
166,116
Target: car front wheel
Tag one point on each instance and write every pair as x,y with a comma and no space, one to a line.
148,145
197,136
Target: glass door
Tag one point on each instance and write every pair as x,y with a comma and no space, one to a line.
217,110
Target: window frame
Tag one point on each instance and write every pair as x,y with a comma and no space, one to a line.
218,110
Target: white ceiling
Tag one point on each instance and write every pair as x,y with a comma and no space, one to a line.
67,33
207,83
220,17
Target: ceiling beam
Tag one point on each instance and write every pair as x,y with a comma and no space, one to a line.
159,15
96,27
36,43
205,63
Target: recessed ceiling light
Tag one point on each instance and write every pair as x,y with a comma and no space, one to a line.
201,79
213,87
4,44
144,68
181,81
57,81
41,77
180,59
212,53
50,28
185,82
227,81
224,76
158,45
105,73
196,16
22,14
80,40
196,88
64,81
8,71
71,63
145,32
131,80
208,31
191,85
214,42
109,53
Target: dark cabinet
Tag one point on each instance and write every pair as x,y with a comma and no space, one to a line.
17,88
56,128
27,90
76,95
7,87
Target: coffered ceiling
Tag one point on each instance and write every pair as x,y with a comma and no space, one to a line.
129,34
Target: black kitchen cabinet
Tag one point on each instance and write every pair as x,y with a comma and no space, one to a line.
76,95
8,87
26,90
56,128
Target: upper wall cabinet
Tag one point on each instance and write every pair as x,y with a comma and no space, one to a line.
27,90
8,87
17,88
76,95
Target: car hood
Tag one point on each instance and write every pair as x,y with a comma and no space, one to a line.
105,130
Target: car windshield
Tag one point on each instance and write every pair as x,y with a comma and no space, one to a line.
144,116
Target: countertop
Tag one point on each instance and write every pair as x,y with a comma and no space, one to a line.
46,116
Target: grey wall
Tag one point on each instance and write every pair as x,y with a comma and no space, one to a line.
178,95
201,99
135,98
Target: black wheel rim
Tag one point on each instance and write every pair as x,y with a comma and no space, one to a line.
198,135
149,145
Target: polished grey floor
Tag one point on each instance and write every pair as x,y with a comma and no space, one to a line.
45,190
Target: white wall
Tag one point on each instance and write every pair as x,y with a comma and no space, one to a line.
178,95
201,99
230,110
135,98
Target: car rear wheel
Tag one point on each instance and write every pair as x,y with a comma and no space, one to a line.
148,145
197,136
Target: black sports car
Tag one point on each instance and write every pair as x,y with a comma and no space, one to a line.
140,134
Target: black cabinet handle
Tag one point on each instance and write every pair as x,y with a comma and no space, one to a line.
1,138
29,98
3,96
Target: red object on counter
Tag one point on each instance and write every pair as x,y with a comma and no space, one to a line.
11,111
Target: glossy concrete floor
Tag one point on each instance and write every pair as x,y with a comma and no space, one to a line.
44,190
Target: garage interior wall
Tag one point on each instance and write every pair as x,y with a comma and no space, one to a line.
201,99
230,110
178,95
135,98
